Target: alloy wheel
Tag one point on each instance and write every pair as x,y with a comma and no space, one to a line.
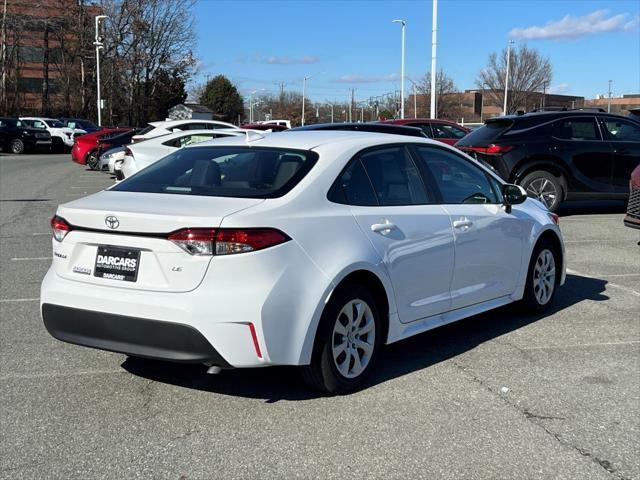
543,190
544,277
353,338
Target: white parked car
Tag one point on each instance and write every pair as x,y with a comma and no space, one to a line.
109,158
61,135
302,248
155,129
281,123
140,155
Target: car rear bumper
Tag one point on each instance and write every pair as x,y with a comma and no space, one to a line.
130,335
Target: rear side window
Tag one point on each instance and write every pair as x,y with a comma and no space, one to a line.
486,134
395,179
458,180
576,129
447,131
190,139
244,172
353,187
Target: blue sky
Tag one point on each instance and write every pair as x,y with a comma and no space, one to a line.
353,44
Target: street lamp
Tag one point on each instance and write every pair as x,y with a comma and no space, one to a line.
98,45
331,105
434,43
304,86
404,24
251,103
609,102
506,80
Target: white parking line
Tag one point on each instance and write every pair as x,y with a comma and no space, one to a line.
9,300
609,284
624,275
24,259
579,345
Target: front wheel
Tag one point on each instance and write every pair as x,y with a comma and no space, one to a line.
347,342
542,277
545,187
16,146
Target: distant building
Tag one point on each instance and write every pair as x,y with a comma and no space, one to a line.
190,111
620,105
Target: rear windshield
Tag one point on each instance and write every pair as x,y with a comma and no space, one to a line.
245,172
486,134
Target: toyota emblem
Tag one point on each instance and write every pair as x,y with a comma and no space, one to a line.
112,222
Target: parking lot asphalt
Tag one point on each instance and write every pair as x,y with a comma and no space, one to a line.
500,395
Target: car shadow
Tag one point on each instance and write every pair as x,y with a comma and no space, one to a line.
592,207
416,353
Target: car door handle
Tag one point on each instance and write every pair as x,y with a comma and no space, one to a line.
463,223
383,228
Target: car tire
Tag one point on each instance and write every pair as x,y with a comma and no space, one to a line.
543,277
544,186
346,345
57,145
16,146
93,160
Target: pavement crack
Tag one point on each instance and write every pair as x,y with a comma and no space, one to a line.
537,420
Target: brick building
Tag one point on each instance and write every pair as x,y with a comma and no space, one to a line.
620,105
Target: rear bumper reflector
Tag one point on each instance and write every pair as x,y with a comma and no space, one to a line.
256,345
135,336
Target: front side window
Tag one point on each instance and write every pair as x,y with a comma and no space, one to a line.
622,130
458,180
425,127
447,131
394,177
56,124
244,172
576,129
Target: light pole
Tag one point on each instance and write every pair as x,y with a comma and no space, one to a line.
482,101
609,102
434,43
304,86
331,105
251,103
506,80
404,24
98,45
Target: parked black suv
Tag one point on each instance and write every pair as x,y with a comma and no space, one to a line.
16,137
366,127
564,155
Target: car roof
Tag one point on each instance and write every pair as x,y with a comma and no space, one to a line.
554,114
170,136
171,123
405,121
364,127
310,139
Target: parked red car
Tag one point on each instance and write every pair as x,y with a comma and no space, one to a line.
441,130
633,208
85,147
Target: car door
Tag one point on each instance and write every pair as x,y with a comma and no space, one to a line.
624,136
589,158
488,241
411,235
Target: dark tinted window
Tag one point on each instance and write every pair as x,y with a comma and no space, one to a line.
353,187
394,177
425,127
576,129
622,130
458,180
486,134
447,131
246,172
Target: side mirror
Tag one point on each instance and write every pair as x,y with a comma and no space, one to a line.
513,195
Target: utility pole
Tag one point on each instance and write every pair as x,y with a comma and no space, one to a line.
3,85
544,93
609,102
415,101
404,24
506,80
353,91
434,43
98,43
304,84
331,105
45,71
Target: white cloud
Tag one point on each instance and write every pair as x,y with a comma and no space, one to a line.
355,78
559,89
571,27
285,60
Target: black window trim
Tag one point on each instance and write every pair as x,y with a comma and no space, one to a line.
581,117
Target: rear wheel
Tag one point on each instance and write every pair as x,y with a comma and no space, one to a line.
17,146
544,186
542,277
93,160
347,342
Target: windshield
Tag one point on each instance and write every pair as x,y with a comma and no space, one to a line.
245,172
55,124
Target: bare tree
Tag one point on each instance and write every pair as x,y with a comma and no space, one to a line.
447,97
529,72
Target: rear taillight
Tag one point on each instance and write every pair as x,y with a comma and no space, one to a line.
60,228
554,218
226,241
492,149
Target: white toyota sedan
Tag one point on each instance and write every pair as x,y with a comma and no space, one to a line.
303,248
